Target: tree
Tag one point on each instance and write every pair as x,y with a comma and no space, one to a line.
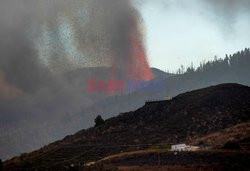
182,69
1,165
98,120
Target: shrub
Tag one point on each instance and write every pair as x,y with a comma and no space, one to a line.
98,120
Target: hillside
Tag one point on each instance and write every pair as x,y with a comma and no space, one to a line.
239,133
196,113
67,111
165,160
72,108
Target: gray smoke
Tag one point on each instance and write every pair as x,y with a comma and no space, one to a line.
228,12
40,39
224,13
41,42
230,6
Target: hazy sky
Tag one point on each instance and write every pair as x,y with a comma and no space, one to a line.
185,31
177,32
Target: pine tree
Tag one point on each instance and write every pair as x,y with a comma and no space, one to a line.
98,120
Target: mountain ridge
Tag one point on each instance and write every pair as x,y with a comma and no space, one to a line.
195,113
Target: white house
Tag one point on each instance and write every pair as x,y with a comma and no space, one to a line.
184,147
89,164
178,147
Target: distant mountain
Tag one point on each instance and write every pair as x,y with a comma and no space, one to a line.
161,75
192,114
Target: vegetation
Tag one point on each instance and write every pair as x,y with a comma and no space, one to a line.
231,63
99,121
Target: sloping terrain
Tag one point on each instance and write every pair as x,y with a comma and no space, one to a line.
239,134
214,160
195,113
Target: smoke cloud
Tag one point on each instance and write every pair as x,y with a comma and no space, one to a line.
228,12
42,43
230,6
7,91
43,38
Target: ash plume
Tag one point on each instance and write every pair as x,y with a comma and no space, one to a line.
230,6
42,38
42,41
228,12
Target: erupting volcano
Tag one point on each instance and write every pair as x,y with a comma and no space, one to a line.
77,34
138,67
129,59
95,33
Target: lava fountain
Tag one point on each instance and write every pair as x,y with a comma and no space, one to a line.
131,62
138,67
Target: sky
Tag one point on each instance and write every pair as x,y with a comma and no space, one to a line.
176,32
181,32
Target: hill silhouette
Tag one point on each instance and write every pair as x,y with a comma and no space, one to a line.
196,113
48,126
